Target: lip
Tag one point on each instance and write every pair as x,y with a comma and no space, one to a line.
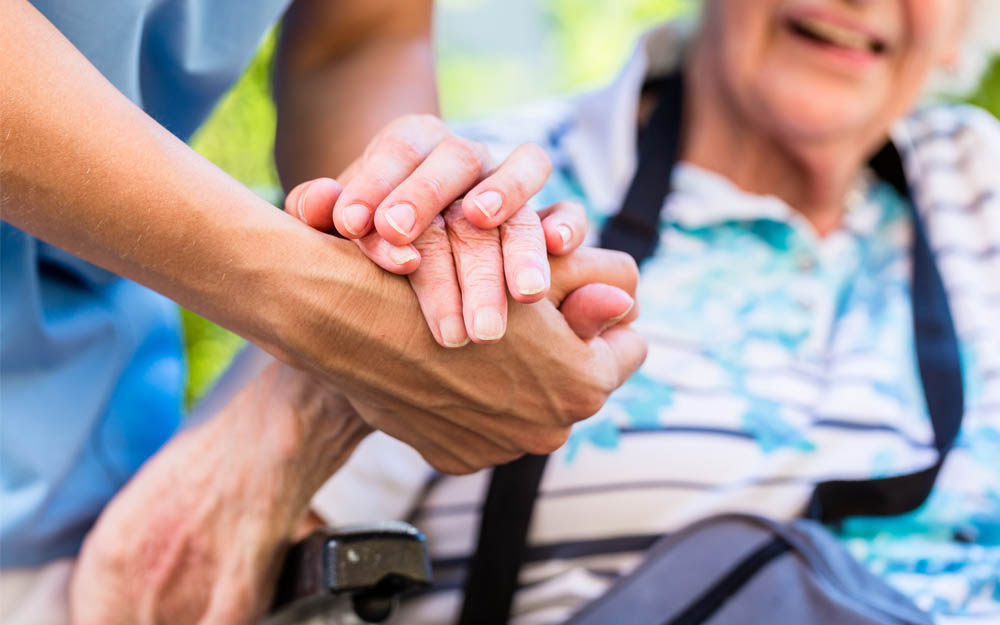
853,56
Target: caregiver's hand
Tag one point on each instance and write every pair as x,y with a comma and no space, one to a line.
484,404
462,269
415,167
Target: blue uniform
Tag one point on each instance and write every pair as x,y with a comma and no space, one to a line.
91,364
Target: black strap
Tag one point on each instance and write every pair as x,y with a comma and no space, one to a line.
635,229
940,372
492,576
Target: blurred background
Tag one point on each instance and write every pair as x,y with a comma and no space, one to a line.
492,55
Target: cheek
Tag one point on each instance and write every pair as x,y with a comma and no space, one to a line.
933,26
741,37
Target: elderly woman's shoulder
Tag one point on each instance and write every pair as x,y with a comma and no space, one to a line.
955,151
953,127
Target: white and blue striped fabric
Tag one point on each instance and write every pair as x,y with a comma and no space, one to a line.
777,359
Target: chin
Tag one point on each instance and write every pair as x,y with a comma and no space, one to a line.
816,113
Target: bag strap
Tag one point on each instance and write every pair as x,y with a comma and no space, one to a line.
940,368
492,578
636,227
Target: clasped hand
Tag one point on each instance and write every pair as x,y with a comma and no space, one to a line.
421,197
197,535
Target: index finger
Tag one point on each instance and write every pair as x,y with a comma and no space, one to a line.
508,188
392,156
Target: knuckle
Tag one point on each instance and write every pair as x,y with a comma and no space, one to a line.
410,122
536,152
428,189
481,283
485,157
525,218
592,402
524,245
588,403
547,440
466,153
481,276
434,238
621,265
470,239
518,188
427,120
401,148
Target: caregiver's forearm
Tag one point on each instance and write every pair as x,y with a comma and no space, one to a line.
84,169
344,70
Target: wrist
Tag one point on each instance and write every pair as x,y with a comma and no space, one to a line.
300,432
335,313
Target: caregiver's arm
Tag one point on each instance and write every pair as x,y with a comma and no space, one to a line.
83,168
345,70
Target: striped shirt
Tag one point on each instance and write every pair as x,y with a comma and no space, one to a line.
777,359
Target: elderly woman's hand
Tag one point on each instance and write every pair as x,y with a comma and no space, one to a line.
198,534
417,166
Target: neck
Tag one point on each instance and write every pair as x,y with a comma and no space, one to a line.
813,179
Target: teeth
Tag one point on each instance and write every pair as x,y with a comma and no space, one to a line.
835,34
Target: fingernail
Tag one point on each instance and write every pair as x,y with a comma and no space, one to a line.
530,281
614,320
401,217
302,202
356,218
452,330
564,233
489,203
402,255
488,324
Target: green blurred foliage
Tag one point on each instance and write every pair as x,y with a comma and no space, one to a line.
988,95
586,43
239,138
595,38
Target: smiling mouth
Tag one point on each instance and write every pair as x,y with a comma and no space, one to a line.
824,32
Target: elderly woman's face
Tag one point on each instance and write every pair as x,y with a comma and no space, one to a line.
822,69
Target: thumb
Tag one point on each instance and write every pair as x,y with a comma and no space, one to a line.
620,350
312,202
589,265
593,308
